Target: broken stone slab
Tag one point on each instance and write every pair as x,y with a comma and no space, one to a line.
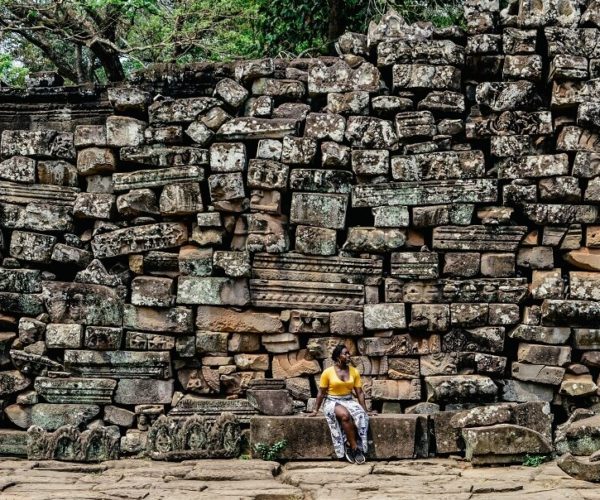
32,247
570,313
425,76
212,291
195,261
12,381
394,436
533,166
484,339
321,210
254,68
432,192
506,96
478,238
374,239
395,216
181,198
232,263
20,280
543,334
192,405
282,88
436,52
586,338
102,338
91,161
503,443
18,169
321,181
384,316
500,290
414,124
228,320
152,291
354,103
271,402
583,285
399,345
340,77
541,374
580,468
294,266
257,128
119,364
75,390
52,416
41,143
370,162
67,443
509,123
267,174
64,336
144,391
157,177
139,239
94,206
325,126
322,296
308,322
162,156
231,92
460,389
438,165
518,391
544,354
173,320
228,157
578,385
294,364
316,240
396,390
415,265
369,132
36,217
180,110
82,303
125,99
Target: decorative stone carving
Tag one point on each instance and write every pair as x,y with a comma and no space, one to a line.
194,437
69,444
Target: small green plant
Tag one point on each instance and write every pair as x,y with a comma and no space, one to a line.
534,460
270,452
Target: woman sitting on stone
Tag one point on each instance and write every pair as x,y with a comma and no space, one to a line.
347,419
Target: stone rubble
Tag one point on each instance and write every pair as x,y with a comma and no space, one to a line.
182,255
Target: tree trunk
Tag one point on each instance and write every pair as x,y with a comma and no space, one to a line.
109,59
337,21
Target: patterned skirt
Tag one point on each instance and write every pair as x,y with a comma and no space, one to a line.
358,414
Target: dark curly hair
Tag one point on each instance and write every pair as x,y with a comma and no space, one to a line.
335,355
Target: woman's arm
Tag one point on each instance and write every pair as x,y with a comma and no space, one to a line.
320,396
360,395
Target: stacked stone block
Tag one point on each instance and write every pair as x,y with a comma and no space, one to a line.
428,198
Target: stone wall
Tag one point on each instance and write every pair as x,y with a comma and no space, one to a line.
429,198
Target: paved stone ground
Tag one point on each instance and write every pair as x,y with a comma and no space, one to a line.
254,479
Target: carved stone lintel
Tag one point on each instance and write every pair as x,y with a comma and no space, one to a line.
194,437
69,444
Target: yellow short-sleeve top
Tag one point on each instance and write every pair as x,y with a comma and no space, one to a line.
337,387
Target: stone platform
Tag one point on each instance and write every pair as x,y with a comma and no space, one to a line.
308,438
258,480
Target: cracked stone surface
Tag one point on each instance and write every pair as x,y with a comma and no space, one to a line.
134,479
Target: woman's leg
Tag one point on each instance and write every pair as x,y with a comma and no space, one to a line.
347,424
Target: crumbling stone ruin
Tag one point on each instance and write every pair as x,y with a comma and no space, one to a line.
181,253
